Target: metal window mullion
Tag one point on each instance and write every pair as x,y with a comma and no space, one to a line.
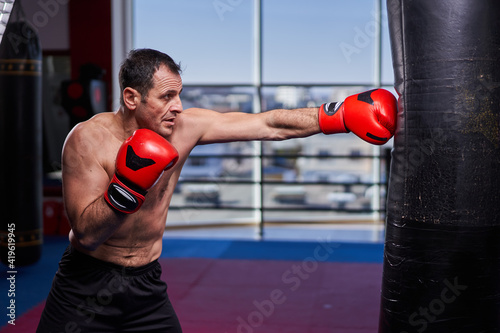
121,30
257,83
377,80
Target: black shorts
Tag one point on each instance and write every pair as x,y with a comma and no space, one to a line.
91,295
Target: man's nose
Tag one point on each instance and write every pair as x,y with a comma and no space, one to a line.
177,106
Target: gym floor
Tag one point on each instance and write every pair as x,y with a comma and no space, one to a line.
296,279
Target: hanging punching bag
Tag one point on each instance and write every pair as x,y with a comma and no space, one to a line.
20,143
442,249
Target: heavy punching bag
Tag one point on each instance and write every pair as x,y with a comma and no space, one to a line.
442,248
20,143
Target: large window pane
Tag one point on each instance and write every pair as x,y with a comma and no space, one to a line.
322,177
213,43
318,41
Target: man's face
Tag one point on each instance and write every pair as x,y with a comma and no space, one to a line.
159,109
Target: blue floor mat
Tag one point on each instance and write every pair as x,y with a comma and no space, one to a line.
273,250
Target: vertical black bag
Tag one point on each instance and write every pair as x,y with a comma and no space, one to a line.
20,142
442,248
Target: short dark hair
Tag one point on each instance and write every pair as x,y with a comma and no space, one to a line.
138,68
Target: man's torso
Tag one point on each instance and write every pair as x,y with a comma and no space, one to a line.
138,240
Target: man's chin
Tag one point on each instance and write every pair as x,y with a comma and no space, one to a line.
165,130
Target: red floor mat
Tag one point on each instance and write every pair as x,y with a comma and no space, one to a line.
214,295
264,296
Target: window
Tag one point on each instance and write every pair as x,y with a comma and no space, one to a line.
258,55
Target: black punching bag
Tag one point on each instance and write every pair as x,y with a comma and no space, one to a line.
442,248
20,143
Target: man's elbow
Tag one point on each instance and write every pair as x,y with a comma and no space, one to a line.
83,241
89,245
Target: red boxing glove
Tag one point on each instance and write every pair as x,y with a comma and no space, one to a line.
140,162
371,115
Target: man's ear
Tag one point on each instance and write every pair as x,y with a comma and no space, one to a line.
131,98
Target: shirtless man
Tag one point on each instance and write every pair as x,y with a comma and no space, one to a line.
109,277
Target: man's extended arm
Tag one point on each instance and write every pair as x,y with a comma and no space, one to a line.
371,115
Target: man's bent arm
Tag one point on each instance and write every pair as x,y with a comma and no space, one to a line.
92,220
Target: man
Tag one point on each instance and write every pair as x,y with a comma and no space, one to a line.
119,173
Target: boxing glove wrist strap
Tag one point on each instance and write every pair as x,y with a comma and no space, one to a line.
331,118
123,197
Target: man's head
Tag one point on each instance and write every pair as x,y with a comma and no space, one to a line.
138,68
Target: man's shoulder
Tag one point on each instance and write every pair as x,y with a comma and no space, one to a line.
95,131
99,125
189,128
91,141
197,116
197,111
